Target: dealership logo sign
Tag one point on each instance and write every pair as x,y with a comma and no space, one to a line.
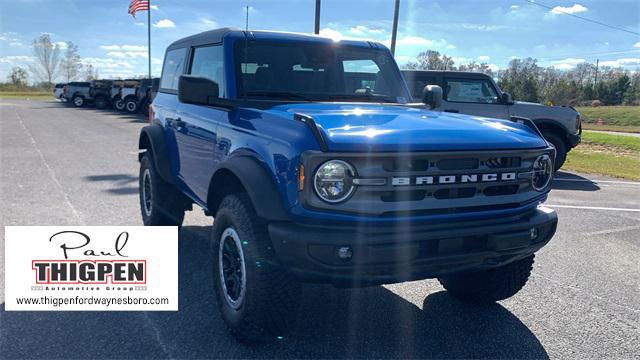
91,268
121,271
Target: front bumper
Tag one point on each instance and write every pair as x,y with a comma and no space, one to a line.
407,251
574,139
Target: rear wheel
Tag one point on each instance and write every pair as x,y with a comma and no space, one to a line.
119,105
100,102
131,106
561,149
256,298
78,101
160,202
489,285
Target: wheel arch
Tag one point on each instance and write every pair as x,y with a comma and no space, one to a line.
551,126
245,174
152,139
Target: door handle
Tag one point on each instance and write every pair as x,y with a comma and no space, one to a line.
176,123
452,111
179,122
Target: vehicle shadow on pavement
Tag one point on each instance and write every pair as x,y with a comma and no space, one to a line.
334,323
568,181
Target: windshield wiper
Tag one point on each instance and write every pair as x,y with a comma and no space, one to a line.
278,94
374,97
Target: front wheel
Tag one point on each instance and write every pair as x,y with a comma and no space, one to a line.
131,106
489,285
256,298
160,202
561,149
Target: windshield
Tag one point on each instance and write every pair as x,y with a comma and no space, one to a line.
316,72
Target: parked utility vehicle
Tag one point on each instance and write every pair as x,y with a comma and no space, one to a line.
77,92
58,91
129,95
315,176
100,93
477,94
144,94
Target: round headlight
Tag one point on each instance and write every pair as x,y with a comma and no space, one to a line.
333,181
542,172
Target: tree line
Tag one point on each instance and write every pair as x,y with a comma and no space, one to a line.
51,61
525,80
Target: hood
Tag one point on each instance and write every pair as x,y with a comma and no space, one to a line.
539,111
373,127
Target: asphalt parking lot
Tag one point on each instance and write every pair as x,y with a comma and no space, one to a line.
65,166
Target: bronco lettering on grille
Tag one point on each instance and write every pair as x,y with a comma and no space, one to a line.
451,179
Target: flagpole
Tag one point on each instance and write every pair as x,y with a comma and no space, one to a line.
149,36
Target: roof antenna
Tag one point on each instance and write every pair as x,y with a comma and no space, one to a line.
247,19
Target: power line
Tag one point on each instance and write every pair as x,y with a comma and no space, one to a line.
560,57
582,18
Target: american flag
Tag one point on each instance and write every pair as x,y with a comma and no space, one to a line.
138,5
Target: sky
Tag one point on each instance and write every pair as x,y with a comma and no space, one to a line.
492,32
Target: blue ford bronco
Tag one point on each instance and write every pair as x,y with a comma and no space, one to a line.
317,170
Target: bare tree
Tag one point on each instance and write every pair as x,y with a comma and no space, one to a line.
47,59
71,64
90,73
17,77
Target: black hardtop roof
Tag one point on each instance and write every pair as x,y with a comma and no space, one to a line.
207,37
449,73
217,35
79,83
101,82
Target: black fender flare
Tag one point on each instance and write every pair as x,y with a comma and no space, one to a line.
550,124
152,139
256,181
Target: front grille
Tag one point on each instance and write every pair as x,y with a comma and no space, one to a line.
431,183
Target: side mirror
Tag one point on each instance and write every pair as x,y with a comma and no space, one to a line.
506,98
155,84
197,90
432,96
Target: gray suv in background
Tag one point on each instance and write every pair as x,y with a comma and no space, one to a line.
477,94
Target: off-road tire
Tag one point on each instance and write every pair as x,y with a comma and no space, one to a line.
561,149
78,101
131,106
119,104
167,204
270,301
489,285
100,102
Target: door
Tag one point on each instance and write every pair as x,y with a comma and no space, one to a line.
196,126
166,105
473,96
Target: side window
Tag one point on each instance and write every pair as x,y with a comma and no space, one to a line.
470,91
172,69
208,63
419,84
